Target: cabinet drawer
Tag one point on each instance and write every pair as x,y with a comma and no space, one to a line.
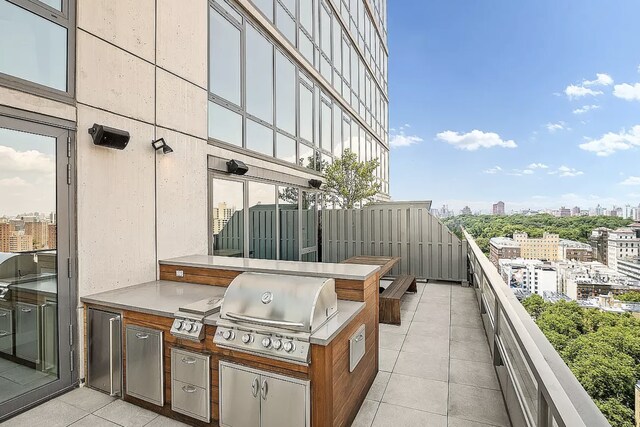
191,368
144,367
190,400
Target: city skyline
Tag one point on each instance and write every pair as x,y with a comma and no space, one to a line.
549,118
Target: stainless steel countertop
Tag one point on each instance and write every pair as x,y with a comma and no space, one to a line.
164,298
313,269
48,286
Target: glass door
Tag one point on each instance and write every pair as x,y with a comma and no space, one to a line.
35,247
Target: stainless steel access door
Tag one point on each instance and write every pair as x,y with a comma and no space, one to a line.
239,396
104,351
27,332
144,360
285,402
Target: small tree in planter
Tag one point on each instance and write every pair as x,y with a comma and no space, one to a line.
350,183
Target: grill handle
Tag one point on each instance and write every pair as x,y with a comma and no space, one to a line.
265,321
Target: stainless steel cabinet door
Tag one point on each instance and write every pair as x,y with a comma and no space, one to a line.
284,403
49,336
27,332
6,331
144,371
105,351
239,397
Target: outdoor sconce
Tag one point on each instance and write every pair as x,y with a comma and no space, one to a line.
161,143
105,136
237,167
315,183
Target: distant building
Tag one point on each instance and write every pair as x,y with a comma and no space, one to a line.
564,212
498,208
576,211
20,242
609,304
553,297
443,212
530,275
466,210
599,242
52,243
5,234
571,250
503,248
623,242
584,280
630,266
545,248
220,216
39,231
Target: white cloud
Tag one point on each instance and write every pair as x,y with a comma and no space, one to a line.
627,91
401,139
584,88
12,160
493,170
537,166
13,182
527,172
474,140
586,109
632,180
612,142
566,172
554,127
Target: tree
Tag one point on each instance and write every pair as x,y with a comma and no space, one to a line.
534,305
616,413
630,297
350,182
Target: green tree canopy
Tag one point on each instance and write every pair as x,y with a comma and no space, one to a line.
630,297
350,182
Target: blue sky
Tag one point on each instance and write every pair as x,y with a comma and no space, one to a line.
535,102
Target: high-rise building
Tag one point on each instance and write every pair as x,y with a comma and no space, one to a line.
466,210
529,275
564,212
576,211
220,216
53,236
498,208
5,234
20,242
39,231
544,248
503,248
623,242
599,241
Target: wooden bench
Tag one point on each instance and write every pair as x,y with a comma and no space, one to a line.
390,298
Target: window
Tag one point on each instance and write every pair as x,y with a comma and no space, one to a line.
35,45
224,58
266,7
306,15
259,138
259,75
262,220
227,218
285,23
225,125
286,148
285,94
306,113
325,130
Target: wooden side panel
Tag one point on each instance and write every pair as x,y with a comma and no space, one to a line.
203,276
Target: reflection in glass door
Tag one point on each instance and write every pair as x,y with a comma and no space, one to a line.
34,239
309,226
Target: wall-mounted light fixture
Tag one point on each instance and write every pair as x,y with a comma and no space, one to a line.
161,143
315,183
105,136
237,167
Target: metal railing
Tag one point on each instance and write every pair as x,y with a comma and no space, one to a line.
538,387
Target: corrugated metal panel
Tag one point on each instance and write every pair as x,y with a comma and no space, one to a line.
407,230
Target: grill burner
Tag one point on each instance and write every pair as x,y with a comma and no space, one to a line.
275,315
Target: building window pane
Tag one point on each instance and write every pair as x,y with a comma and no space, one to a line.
289,221
286,148
305,47
225,125
325,31
306,156
56,4
230,10
285,24
262,220
308,215
306,15
306,113
285,94
259,138
227,218
346,136
325,131
266,7
32,47
259,75
224,57
337,131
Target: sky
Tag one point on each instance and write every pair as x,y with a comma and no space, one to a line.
535,103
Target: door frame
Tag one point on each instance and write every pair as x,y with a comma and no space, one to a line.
64,133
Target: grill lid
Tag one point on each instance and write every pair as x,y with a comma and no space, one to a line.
295,303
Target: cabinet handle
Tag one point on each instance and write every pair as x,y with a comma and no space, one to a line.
255,385
25,310
3,314
111,357
189,360
142,336
265,389
4,333
189,389
359,338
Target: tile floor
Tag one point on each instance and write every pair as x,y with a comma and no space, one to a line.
16,379
435,370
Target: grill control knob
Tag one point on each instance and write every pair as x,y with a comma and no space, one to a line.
177,324
247,338
196,327
277,344
228,335
266,342
187,326
289,346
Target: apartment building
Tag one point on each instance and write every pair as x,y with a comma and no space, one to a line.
277,88
532,276
498,208
629,266
599,241
623,242
503,248
575,251
584,280
544,248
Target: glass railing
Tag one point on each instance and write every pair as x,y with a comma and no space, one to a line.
538,387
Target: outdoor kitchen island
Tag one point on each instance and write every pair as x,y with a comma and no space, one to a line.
236,364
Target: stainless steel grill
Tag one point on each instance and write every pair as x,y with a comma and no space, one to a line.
275,315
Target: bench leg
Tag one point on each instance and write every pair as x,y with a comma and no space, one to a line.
413,287
390,311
